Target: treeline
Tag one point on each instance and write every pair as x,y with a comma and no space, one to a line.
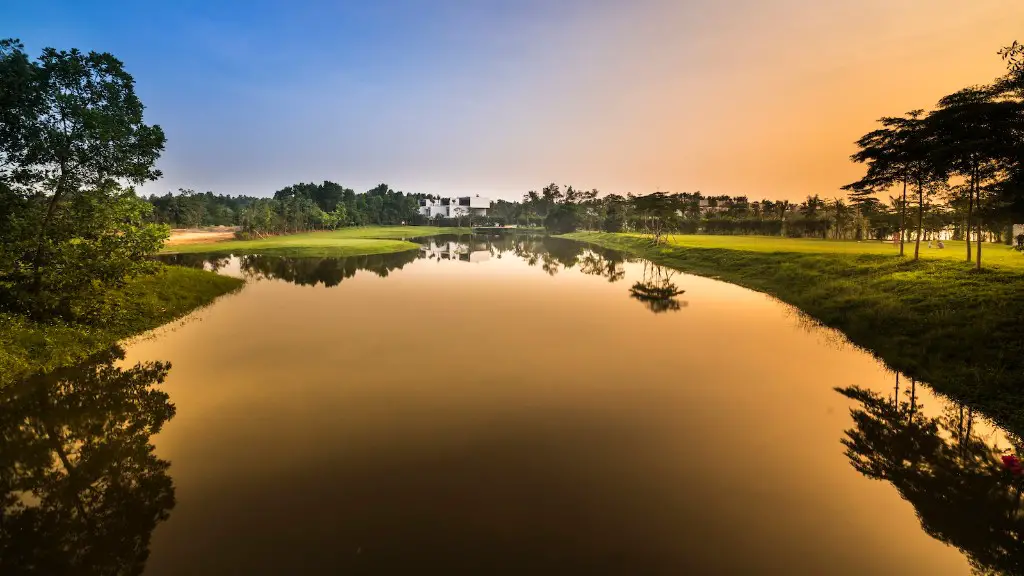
660,213
967,153
295,208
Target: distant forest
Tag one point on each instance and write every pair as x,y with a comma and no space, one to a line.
293,208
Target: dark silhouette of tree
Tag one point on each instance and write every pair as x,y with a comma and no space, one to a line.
885,152
656,290
604,263
212,262
977,137
327,271
962,493
80,487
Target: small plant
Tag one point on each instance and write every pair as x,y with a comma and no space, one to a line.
1020,242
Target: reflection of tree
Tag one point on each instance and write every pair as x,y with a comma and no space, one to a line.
328,271
555,254
80,488
204,261
962,494
657,291
606,264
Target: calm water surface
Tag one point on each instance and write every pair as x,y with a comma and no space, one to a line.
504,405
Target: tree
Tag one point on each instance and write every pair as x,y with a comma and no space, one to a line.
657,213
883,151
810,207
73,135
976,136
840,212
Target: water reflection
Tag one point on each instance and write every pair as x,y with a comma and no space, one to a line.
212,262
656,290
327,271
961,490
80,487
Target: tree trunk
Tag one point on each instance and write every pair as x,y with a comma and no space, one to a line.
970,210
903,215
920,215
37,259
978,252
896,398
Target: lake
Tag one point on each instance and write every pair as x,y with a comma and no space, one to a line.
497,405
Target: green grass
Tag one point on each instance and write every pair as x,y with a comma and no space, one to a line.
995,255
337,243
27,347
936,320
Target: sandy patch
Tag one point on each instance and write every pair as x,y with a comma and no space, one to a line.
179,237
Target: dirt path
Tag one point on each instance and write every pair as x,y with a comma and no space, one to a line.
179,237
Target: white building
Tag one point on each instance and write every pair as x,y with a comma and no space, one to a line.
455,207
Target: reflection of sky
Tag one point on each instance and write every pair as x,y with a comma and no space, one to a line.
448,96
717,423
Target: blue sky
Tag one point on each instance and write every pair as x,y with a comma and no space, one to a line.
256,95
500,96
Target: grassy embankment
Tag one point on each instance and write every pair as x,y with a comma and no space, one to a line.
936,320
335,243
27,346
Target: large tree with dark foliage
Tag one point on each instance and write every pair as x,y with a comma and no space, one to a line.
72,137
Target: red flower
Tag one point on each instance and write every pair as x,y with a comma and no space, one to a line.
1013,464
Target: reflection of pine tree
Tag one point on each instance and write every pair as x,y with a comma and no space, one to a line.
656,291
80,487
962,494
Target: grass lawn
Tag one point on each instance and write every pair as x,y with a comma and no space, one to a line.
27,346
997,255
936,320
337,243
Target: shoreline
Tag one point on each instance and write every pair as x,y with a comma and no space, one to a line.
30,347
934,320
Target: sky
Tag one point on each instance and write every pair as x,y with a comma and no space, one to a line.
762,98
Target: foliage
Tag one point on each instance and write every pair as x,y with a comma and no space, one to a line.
72,135
296,208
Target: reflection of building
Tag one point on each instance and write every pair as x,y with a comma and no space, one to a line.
471,252
454,207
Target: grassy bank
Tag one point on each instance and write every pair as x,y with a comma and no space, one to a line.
935,320
996,255
27,346
336,243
